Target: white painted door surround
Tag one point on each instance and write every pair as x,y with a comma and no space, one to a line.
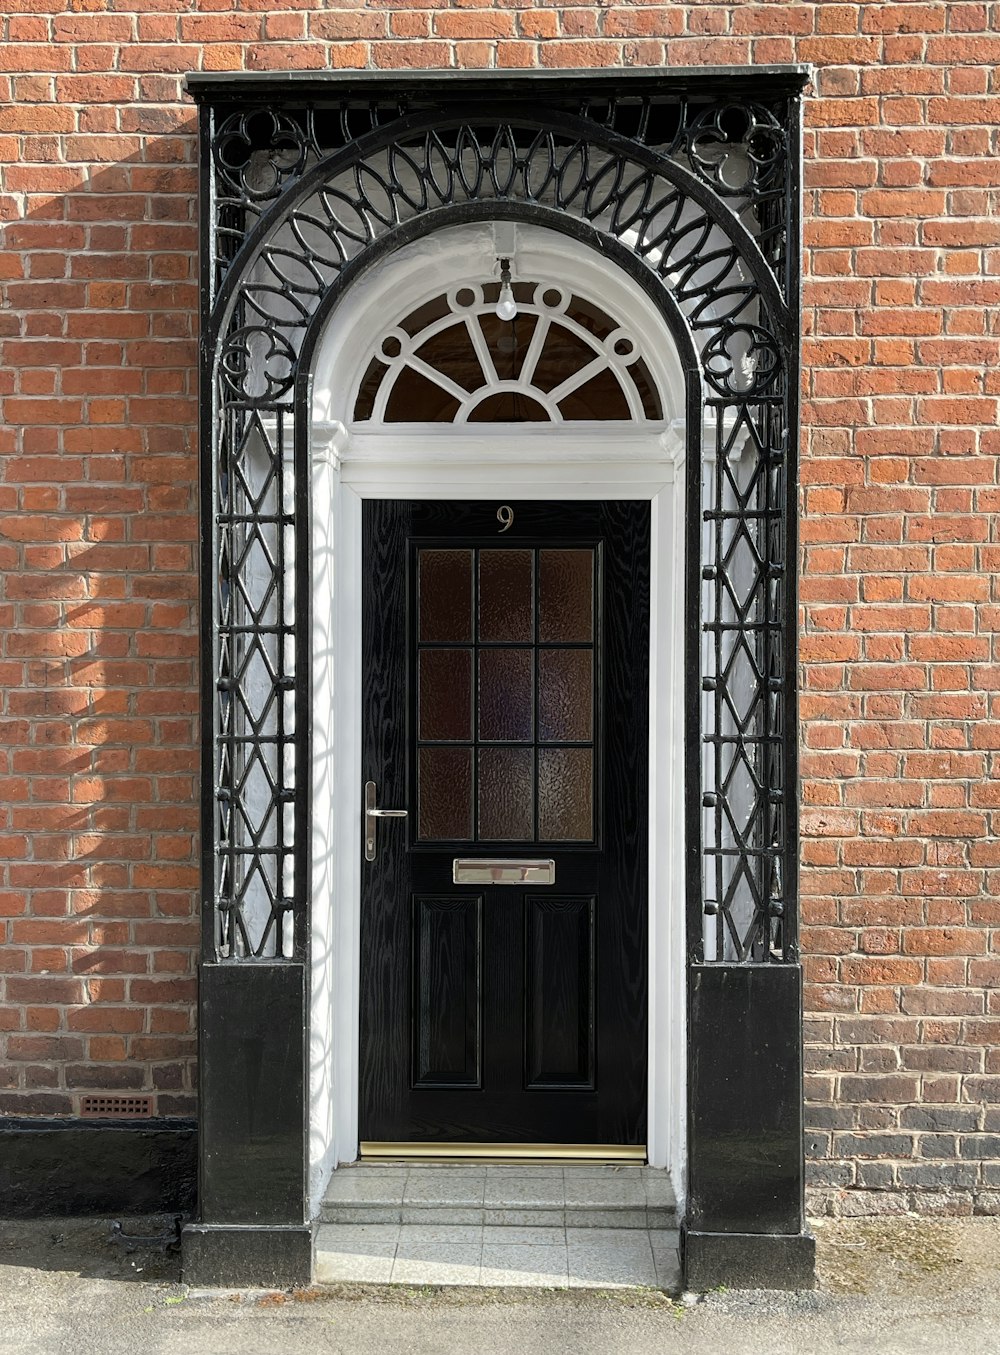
579,460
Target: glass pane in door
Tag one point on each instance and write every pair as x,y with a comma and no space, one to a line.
444,797
506,792
566,596
565,695
445,595
506,708
565,794
506,596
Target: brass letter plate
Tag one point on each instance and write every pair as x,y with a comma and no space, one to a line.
484,871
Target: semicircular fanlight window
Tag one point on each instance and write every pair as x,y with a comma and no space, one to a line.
561,359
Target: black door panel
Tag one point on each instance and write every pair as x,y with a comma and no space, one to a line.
505,706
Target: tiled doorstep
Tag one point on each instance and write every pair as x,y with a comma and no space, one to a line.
624,1197
546,1257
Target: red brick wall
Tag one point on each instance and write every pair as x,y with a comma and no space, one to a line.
900,672
98,792
899,471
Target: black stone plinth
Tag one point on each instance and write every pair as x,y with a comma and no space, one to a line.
253,1080
78,1167
247,1257
745,1155
748,1260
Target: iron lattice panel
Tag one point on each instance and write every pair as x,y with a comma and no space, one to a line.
697,197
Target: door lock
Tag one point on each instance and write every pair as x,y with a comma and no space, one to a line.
372,815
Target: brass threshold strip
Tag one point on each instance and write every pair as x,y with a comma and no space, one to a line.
509,1152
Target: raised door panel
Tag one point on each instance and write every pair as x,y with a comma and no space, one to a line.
559,992
447,992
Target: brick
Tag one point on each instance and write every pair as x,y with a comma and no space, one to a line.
892,1088
944,941
876,1175
940,1059
873,1145
829,1174
937,1146
941,1002
104,1019
44,1047
942,1175
105,1077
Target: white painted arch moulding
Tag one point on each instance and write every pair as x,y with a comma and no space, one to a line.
443,261
502,462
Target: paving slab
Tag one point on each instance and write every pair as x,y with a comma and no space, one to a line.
903,1286
527,1267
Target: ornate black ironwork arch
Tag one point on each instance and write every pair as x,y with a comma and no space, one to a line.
696,197
687,234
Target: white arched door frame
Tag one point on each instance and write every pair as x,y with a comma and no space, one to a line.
573,460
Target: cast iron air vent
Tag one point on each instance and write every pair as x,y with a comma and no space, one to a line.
116,1107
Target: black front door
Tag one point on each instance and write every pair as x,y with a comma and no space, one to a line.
505,692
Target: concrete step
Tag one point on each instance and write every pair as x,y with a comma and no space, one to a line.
515,1195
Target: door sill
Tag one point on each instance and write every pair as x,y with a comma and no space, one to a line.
508,1152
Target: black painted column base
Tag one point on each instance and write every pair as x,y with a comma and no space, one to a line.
250,1256
748,1260
67,1167
251,1196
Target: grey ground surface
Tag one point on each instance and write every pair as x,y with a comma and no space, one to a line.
888,1287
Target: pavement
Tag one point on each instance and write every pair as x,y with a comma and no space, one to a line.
893,1286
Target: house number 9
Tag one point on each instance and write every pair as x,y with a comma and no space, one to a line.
505,515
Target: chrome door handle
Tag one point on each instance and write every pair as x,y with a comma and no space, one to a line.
372,812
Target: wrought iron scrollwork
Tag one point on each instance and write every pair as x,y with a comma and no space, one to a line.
742,360
257,364
696,246
698,194
738,148
257,152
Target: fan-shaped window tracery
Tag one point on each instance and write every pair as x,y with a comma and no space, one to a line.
561,359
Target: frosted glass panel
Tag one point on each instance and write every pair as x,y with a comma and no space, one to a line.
505,711
444,794
506,794
565,695
565,794
445,586
505,694
506,595
566,596
445,694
